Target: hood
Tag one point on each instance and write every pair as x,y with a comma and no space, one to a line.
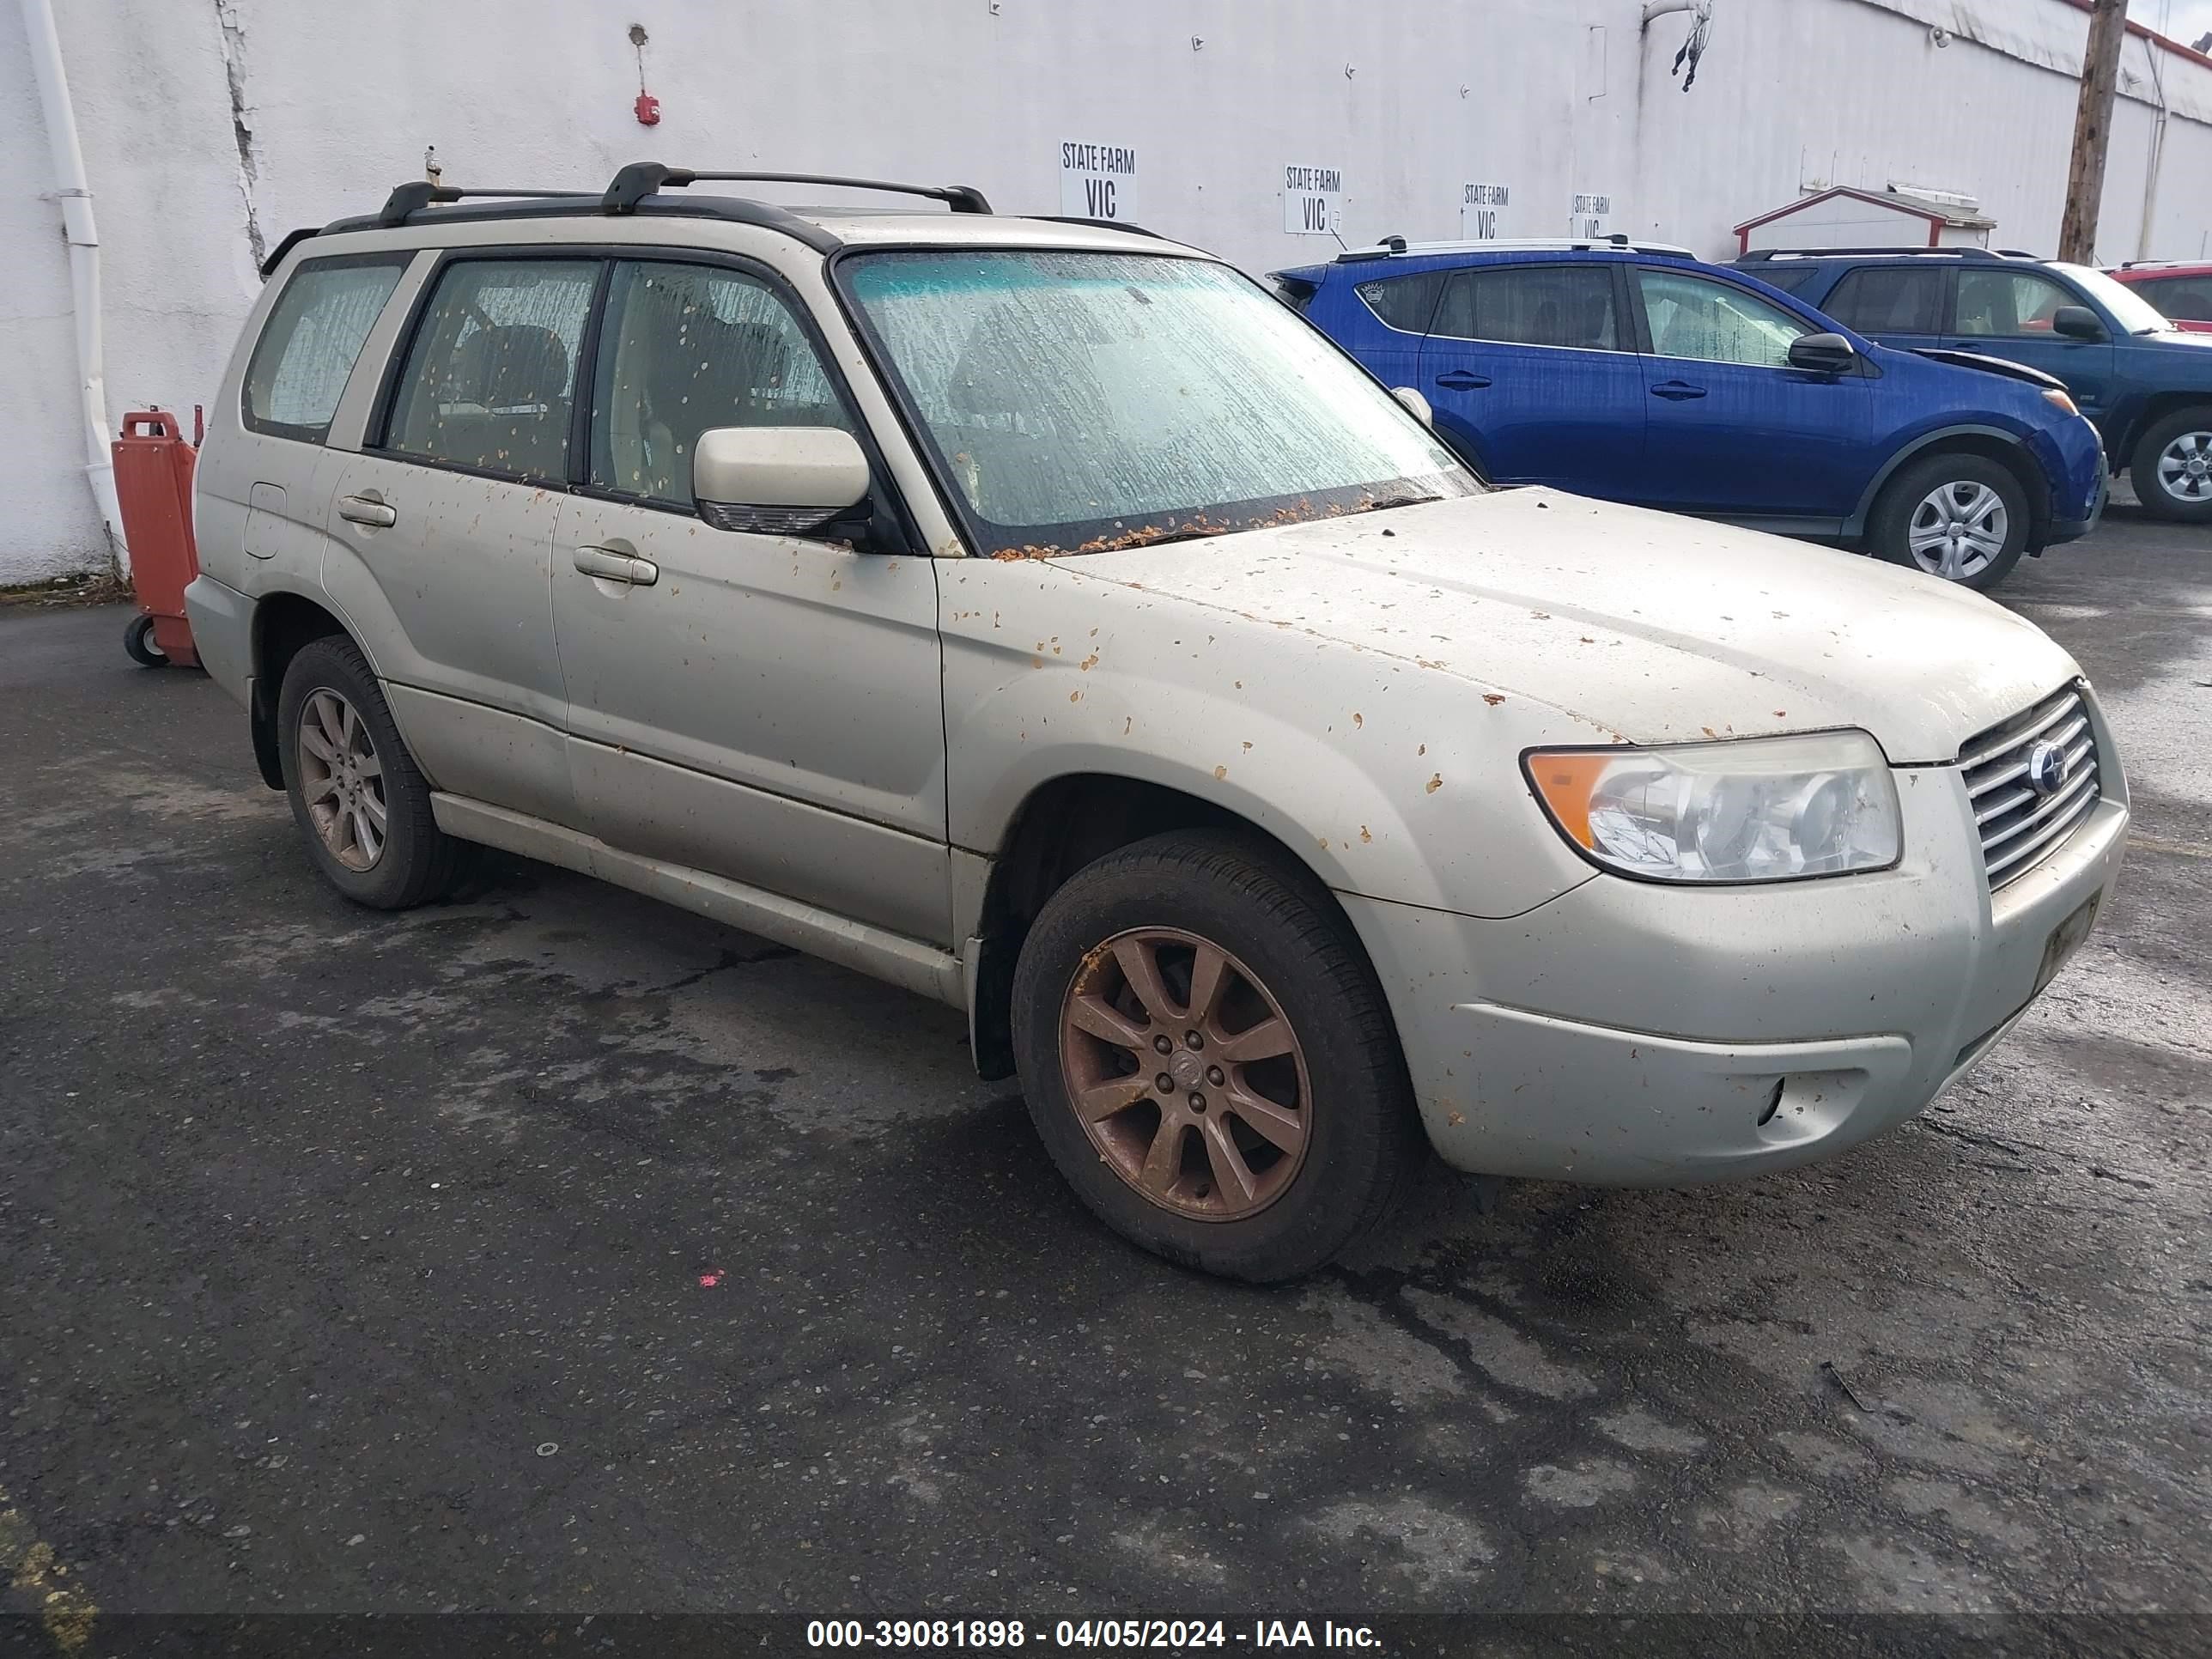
1638,626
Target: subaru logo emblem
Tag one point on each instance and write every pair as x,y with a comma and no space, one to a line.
2047,767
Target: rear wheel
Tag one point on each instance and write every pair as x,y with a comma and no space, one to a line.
1209,1061
356,794
2173,467
1959,516
139,645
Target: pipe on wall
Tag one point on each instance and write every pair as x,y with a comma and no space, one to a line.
75,197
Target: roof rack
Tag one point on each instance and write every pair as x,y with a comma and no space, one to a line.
1974,255
1616,243
642,178
418,194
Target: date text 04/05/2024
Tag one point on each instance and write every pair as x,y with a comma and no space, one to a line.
1005,1635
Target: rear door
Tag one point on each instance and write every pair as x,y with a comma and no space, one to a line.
441,533
1531,372
1734,431
1904,305
2006,311
1389,321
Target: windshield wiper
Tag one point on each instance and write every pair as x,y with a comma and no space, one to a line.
1384,503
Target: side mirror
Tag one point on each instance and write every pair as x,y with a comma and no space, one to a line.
777,480
2077,323
1416,404
1824,354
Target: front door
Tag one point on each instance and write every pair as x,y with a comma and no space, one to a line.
1531,372
764,708
1735,430
442,531
2008,312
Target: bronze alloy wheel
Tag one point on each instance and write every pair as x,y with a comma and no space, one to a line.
1185,1075
342,781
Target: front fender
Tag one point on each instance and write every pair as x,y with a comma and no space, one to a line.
1372,769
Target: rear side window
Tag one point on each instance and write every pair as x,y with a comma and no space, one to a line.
686,347
307,349
2017,303
2187,298
1404,302
490,380
1889,300
1569,306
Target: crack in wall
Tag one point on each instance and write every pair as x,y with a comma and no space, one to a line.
233,33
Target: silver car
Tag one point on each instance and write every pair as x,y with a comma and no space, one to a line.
1040,617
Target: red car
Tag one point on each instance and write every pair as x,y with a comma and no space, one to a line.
2183,292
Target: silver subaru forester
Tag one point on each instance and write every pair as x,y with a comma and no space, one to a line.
1040,617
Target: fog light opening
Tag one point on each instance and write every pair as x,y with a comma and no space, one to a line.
1773,1103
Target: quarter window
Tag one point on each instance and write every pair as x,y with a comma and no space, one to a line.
1404,302
1710,322
491,381
1569,306
2001,303
314,334
1889,300
686,347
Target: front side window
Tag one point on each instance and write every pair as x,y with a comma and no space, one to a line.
1076,401
1568,306
1405,303
1889,300
2003,304
686,347
1708,322
2134,313
491,381
314,334
2187,298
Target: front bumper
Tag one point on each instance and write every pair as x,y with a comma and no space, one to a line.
1636,1034
2072,530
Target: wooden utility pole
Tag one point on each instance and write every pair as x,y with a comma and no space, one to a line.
2092,131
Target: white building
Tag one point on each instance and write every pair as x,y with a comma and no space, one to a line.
1261,127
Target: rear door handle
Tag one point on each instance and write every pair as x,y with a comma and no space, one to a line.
1462,379
366,509
610,566
1677,391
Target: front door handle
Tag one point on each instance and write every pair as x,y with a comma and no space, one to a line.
1677,391
609,566
369,510
1462,379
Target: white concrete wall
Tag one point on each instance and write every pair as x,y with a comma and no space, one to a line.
1548,97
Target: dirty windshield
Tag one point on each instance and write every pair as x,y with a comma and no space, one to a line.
1080,402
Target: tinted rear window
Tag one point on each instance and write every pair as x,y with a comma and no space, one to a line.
1569,306
1404,302
1789,278
1889,300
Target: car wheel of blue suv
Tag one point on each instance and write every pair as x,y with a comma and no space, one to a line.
1959,516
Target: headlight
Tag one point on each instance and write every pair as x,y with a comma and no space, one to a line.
1761,809
2053,395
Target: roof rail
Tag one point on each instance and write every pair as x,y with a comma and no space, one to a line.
1759,255
1103,224
418,194
642,178
1615,243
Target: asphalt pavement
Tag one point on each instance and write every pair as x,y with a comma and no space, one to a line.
553,1251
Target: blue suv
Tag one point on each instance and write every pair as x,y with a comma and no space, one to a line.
1639,374
2146,384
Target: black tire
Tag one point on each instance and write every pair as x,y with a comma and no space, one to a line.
1365,1143
138,644
418,862
2143,469
1889,526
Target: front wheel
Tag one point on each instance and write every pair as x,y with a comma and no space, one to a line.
1209,1061
1962,517
2173,467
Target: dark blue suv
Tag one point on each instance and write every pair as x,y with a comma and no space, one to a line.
2146,384
1641,375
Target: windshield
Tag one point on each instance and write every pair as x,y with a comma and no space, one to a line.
1079,402
2134,313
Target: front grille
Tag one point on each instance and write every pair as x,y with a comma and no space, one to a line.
2019,824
